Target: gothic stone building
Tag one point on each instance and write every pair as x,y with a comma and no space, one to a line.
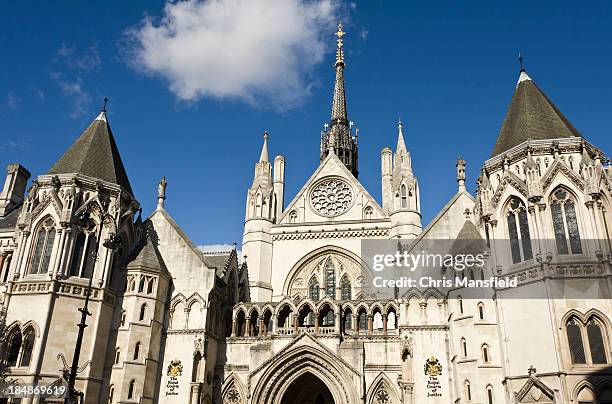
294,319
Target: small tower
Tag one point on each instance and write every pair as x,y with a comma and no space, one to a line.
259,215
461,174
405,204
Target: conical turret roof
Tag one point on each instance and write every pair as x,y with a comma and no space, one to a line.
531,115
94,154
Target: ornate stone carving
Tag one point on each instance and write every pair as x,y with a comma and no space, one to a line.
331,197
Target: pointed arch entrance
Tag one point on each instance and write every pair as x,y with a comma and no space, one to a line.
306,372
308,389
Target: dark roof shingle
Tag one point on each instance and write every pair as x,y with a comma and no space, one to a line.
94,154
531,115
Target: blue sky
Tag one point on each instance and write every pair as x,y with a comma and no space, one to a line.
191,103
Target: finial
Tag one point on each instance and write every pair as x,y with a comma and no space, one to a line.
265,134
161,193
531,370
339,50
105,102
521,58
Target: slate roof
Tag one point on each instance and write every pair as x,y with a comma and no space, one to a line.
94,154
147,256
531,115
468,240
9,221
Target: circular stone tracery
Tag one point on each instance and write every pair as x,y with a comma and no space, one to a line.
331,197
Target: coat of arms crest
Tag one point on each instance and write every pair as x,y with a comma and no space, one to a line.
175,368
433,366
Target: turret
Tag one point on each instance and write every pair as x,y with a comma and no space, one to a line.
405,204
386,167
260,213
279,186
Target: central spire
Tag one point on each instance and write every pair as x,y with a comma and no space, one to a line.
337,138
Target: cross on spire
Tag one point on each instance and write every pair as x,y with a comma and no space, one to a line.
105,102
521,58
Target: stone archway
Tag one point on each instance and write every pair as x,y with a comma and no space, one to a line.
307,389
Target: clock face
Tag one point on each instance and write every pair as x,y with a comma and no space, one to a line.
331,197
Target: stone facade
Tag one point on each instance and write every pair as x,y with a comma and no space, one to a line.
295,319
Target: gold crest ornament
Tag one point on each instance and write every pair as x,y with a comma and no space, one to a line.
433,367
175,368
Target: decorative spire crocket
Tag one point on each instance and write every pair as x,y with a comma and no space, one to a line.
338,138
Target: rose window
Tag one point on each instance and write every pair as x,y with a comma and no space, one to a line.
331,197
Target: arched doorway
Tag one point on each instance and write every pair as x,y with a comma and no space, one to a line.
307,389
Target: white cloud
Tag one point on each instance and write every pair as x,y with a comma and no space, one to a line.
89,60
13,101
258,51
11,145
74,90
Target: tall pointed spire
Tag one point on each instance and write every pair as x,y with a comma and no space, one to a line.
264,150
339,138
401,144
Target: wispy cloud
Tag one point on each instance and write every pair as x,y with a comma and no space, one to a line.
11,145
13,100
74,90
88,60
40,94
261,52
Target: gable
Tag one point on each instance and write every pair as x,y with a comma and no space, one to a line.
331,194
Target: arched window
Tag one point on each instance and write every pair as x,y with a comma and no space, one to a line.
14,347
596,342
131,388
123,318
481,311
143,312
292,216
83,259
565,223
460,304
574,338
468,391
464,347
362,320
313,289
368,212
518,231
27,348
137,351
345,288
348,320
489,394
330,279
150,285
141,284
43,247
404,196
485,353
117,356
111,393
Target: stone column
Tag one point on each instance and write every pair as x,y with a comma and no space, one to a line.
356,323
338,323
316,321
384,320
274,320
234,327
370,323
295,323
247,331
